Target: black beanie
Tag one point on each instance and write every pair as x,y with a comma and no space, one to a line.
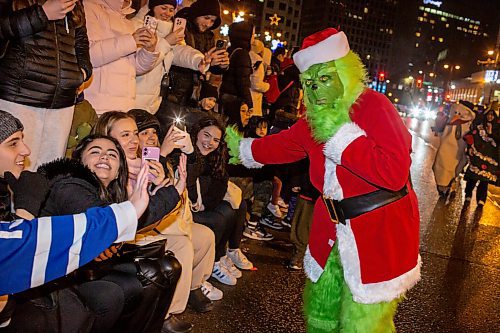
208,90
205,7
153,3
144,120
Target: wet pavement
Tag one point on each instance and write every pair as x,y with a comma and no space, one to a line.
460,286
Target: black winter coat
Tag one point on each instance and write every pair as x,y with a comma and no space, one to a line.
212,189
43,62
74,189
182,80
236,81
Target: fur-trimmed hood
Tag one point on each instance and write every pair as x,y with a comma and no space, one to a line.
64,167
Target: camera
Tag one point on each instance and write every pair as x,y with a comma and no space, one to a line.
220,44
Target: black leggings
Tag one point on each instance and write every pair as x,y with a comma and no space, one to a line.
481,192
226,223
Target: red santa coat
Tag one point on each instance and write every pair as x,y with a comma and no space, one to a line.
379,249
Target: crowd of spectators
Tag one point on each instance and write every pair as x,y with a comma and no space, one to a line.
118,204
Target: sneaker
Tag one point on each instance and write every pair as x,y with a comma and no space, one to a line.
199,302
257,233
229,265
239,259
271,221
286,222
221,274
282,205
211,292
480,203
275,210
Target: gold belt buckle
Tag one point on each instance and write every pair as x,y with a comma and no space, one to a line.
331,209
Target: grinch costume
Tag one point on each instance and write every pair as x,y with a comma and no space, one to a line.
363,247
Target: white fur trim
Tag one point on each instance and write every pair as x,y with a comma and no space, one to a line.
372,292
332,48
331,186
246,156
311,267
336,145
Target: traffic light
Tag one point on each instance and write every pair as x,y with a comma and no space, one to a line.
381,76
419,83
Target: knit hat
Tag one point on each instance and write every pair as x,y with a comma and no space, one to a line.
208,90
8,125
206,7
240,34
153,3
144,120
321,47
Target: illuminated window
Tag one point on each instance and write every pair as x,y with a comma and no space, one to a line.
433,11
447,25
420,18
425,14
474,32
433,38
365,10
390,31
476,27
416,45
417,34
470,26
432,21
443,18
440,39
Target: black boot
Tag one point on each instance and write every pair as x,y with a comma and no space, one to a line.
199,302
174,325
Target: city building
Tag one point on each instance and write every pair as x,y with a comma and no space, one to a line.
368,24
276,21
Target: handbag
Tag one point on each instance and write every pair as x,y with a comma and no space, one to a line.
233,195
153,250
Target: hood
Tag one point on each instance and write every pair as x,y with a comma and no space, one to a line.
65,167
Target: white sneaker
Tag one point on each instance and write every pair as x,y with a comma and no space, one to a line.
239,259
282,205
212,293
275,210
229,266
221,274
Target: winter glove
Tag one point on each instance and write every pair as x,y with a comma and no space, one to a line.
30,190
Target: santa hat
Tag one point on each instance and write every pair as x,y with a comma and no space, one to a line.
321,47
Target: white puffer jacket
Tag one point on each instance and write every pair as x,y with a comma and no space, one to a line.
114,56
149,84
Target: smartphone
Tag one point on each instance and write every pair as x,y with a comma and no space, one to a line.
179,123
150,154
151,23
180,22
220,44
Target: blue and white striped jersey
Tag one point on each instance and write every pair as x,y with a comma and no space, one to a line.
38,251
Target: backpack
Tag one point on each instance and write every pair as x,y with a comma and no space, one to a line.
274,91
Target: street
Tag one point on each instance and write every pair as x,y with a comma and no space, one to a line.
460,286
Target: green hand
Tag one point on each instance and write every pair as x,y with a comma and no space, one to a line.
233,138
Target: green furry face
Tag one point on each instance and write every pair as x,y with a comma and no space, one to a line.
322,85
330,89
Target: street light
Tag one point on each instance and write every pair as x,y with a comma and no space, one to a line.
491,52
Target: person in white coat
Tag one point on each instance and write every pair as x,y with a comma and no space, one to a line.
258,85
118,52
172,50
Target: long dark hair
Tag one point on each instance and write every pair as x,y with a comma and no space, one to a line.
117,189
217,159
77,14
254,123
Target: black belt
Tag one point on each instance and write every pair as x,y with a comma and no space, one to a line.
349,208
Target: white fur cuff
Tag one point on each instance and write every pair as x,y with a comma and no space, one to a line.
311,267
246,156
336,145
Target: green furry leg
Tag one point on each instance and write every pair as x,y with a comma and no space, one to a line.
322,300
329,306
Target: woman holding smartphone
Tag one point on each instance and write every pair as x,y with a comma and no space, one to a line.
171,50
